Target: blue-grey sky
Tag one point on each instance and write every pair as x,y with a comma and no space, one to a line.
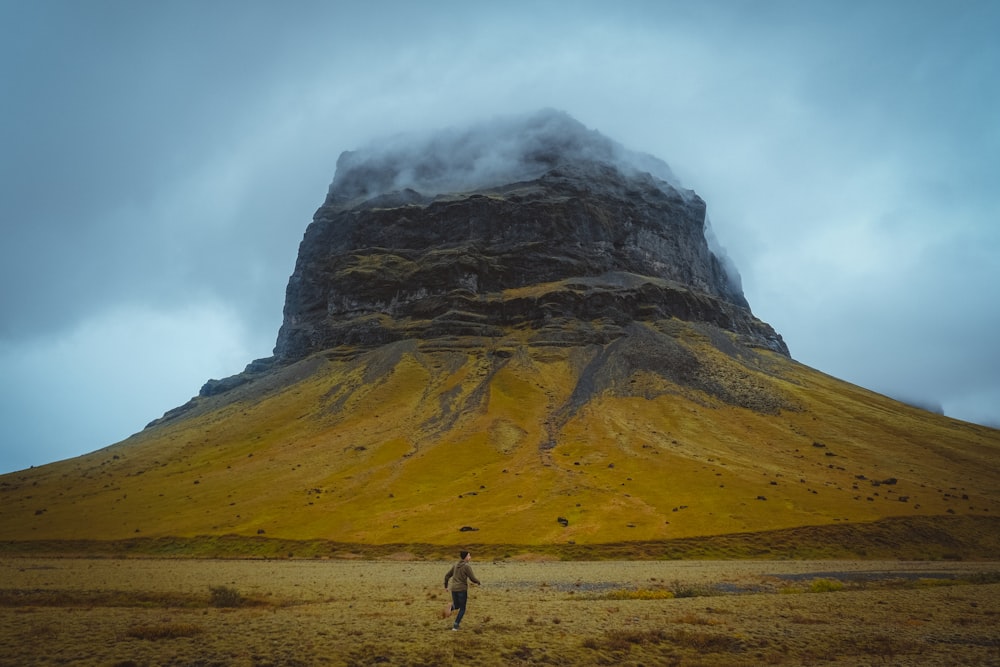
161,160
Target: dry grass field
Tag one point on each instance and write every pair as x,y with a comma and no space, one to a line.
89,611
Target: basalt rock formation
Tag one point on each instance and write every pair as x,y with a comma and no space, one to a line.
564,227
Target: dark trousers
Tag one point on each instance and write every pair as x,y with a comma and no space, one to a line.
458,601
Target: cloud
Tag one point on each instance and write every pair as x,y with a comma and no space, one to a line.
502,150
109,376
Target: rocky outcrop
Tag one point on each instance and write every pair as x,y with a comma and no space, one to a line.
555,222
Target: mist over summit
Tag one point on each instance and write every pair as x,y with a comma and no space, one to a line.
499,151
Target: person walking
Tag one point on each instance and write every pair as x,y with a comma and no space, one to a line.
460,575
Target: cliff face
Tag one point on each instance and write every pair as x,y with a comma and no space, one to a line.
563,226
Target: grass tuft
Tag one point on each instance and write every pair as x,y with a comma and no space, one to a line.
825,586
154,632
639,594
983,578
624,640
707,642
20,597
223,596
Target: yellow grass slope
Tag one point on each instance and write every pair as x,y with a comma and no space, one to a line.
507,442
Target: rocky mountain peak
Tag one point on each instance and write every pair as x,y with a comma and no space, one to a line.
520,222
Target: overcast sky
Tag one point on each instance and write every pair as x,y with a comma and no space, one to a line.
161,160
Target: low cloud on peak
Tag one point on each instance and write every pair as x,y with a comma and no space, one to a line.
504,149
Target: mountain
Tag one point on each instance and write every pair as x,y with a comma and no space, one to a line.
517,334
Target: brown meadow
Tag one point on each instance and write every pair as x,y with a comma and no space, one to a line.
145,611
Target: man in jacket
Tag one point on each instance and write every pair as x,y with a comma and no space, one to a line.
460,575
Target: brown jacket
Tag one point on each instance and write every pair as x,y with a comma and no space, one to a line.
460,574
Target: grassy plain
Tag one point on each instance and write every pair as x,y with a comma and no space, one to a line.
145,611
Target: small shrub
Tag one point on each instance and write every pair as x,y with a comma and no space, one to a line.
807,620
680,590
641,594
164,631
520,655
223,596
624,640
370,654
825,586
42,631
926,582
706,642
694,619
885,647
984,578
